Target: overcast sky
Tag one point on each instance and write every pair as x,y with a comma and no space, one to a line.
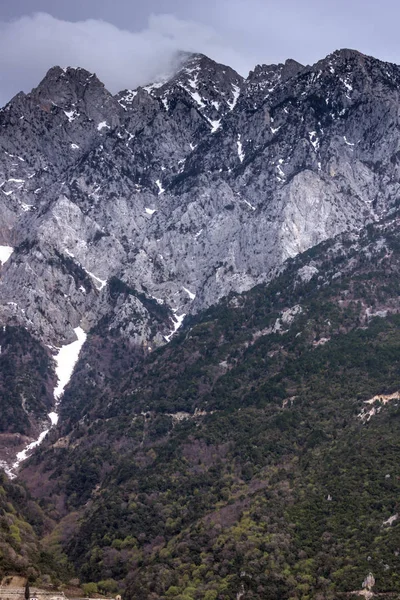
129,42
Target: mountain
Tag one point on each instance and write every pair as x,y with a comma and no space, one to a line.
214,251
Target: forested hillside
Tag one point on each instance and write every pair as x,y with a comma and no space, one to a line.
22,525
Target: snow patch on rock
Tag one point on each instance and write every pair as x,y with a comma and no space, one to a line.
5,253
66,360
190,294
241,154
161,190
177,324
103,125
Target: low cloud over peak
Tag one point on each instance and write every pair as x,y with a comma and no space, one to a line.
138,46
122,59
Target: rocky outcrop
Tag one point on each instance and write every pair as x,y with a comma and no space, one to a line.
182,191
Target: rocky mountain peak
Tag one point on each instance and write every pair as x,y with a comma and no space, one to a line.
343,56
263,80
283,71
358,70
208,69
211,87
78,94
66,87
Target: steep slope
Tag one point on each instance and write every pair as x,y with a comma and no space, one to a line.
22,524
26,386
123,214
257,453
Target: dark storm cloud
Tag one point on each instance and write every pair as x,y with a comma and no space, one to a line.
129,42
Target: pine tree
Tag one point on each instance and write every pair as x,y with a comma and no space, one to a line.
27,591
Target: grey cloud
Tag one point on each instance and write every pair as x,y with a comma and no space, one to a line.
135,40
307,30
29,46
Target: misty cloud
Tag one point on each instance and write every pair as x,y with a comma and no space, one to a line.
122,59
131,48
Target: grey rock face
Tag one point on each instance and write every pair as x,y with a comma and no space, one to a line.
212,88
184,190
263,81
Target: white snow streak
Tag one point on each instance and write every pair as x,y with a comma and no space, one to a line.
240,149
66,359
5,253
53,416
248,204
129,96
197,98
347,85
150,211
6,469
70,114
161,190
215,125
101,282
347,142
23,455
282,175
314,141
153,86
236,94
27,207
103,125
190,294
178,322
